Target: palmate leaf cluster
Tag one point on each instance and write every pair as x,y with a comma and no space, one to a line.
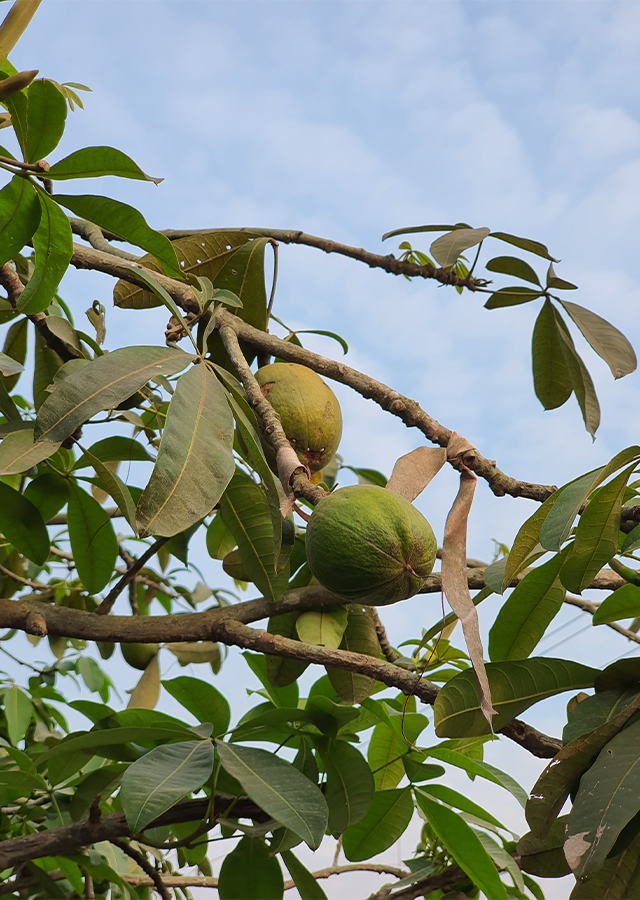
90,517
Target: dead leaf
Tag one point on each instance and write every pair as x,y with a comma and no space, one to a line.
413,471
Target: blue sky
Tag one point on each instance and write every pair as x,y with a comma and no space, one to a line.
348,119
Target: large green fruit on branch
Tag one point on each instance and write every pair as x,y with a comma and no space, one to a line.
369,545
139,655
308,409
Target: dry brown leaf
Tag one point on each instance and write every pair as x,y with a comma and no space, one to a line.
413,471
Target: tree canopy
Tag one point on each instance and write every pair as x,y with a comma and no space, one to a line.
199,440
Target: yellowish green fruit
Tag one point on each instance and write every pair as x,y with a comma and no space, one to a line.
308,409
139,655
369,545
359,637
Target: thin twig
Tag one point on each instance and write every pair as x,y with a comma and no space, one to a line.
146,866
105,607
389,653
591,608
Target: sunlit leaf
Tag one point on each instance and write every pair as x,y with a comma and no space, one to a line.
91,162
609,343
18,452
524,244
19,216
446,249
623,603
322,627
18,710
511,265
38,116
421,228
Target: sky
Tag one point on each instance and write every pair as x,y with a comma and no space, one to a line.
350,119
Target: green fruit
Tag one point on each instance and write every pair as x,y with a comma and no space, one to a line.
139,655
308,409
369,545
359,637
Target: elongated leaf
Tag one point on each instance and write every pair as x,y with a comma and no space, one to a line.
524,244
446,249
92,538
478,767
202,254
595,710
45,365
445,794
596,540
608,798
558,284
618,878
18,709
386,749
515,686
155,782
552,788
388,817
582,383
19,216
545,857
127,223
349,787
624,603
195,461
46,115
609,343
92,162
465,847
281,671
18,452
147,691
511,265
15,353
202,700
250,873
421,228
551,375
279,788
245,512
48,492
115,488
22,525
114,449
526,540
53,245
103,384
306,885
527,613
511,296
322,627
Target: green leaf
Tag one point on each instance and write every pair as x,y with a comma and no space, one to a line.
281,671
92,162
103,384
544,857
511,296
465,847
526,540
388,818
48,492
249,873
445,794
618,878
195,461
582,383
524,244
528,612
220,541
446,249
417,229
515,686
114,449
368,476
245,512
322,627
608,798
329,334
9,367
162,777
597,709
511,265
127,223
45,119
306,885
386,749
18,710
609,343
93,541
18,452
22,525
279,789
15,353
116,488
551,376
202,700
349,786
202,254
553,786
45,365
558,284
19,216
477,767
596,540
623,603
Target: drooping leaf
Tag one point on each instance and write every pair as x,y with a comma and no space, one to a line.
581,380
551,375
544,857
558,284
15,352
445,794
388,817
524,244
618,878
609,343
103,384
464,846
349,786
623,603
359,637
92,538
18,710
220,541
595,710
45,366
19,452
478,767
553,786
147,691
245,512
446,249
322,627
515,686
19,216
608,798
162,777
306,885
511,296
511,265
127,223
528,612
195,461
422,228
92,162
596,540
202,700
196,652
250,873
45,118
527,539
22,525
114,487
414,471
278,788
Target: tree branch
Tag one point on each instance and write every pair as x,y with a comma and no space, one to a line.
141,860
105,607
